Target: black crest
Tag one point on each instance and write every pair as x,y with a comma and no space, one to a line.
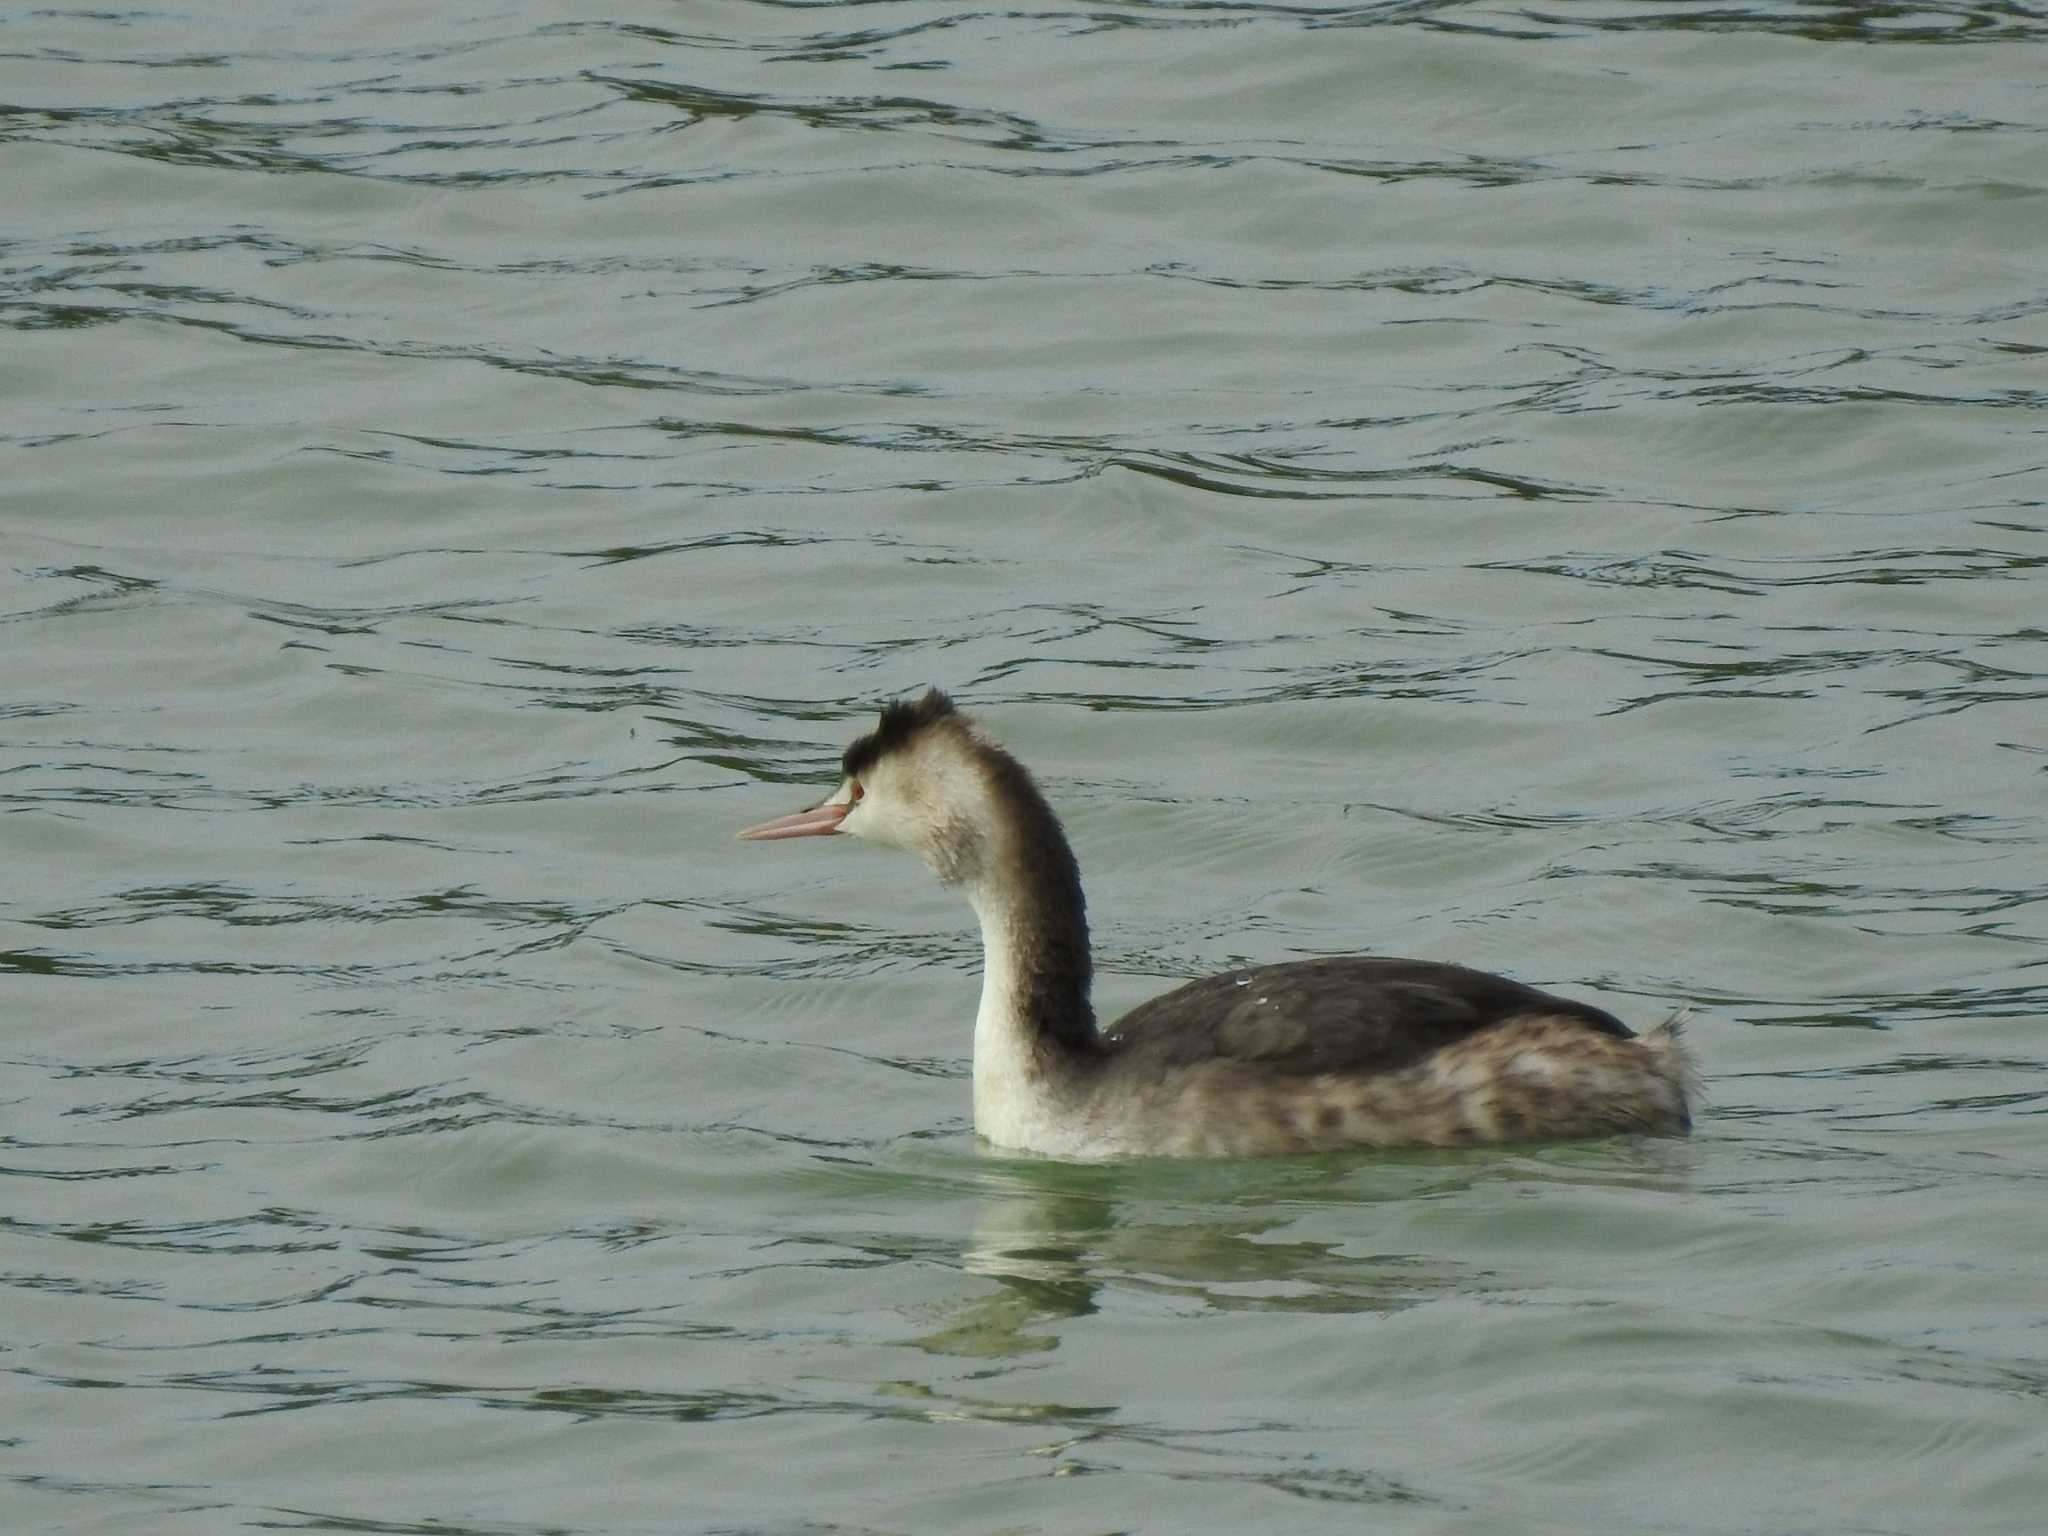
900,721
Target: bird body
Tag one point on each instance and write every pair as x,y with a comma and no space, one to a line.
1305,1056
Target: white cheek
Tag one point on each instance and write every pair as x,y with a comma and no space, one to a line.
866,822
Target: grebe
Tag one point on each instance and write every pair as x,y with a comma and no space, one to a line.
1306,1056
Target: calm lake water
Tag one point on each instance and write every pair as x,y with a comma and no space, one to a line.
1563,489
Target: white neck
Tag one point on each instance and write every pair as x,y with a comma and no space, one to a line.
1010,1106
1017,1081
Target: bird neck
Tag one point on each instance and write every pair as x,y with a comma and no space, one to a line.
1035,1024
1036,972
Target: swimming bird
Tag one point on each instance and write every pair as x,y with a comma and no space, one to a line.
1305,1056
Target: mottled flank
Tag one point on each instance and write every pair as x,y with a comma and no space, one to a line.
1314,1055
1534,1077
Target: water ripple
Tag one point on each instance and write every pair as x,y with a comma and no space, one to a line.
1553,488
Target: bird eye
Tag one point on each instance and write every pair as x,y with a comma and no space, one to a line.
854,798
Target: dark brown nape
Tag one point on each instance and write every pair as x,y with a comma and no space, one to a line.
1059,972
901,720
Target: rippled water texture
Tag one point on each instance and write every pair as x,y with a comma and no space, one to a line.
1558,488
